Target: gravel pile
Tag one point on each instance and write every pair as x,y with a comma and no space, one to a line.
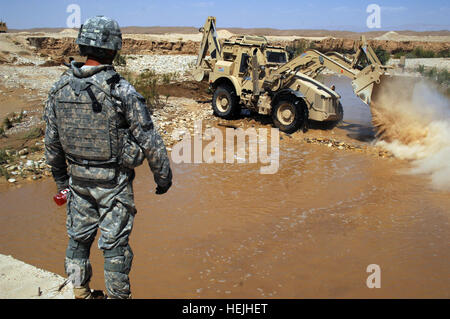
17,59
24,165
42,78
180,114
335,144
30,77
161,64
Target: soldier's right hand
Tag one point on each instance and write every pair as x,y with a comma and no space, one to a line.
160,190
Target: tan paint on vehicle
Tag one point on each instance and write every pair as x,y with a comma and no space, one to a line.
3,27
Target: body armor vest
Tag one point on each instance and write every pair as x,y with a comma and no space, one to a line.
93,131
89,124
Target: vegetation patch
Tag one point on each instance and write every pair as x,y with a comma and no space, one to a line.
4,173
382,55
4,157
420,53
299,47
441,77
33,133
147,84
13,118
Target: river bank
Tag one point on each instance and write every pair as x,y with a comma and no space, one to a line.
19,280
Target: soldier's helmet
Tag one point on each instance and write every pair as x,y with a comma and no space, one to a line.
100,32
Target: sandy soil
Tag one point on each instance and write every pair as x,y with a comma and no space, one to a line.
19,280
396,36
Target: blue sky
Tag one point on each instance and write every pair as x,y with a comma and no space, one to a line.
280,14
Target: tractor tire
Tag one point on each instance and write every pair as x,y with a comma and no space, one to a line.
225,102
289,115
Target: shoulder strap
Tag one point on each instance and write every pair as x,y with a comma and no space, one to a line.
112,81
105,81
96,106
108,80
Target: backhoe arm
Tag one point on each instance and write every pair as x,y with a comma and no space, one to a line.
210,43
312,62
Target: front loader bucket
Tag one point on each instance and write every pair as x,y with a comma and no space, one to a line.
364,83
365,94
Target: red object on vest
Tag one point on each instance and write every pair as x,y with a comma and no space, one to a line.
61,198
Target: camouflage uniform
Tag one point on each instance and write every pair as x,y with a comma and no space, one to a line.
98,130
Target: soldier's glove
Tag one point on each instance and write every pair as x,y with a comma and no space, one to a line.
160,190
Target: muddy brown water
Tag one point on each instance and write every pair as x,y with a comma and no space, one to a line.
225,231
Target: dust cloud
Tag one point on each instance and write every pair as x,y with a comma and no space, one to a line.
413,122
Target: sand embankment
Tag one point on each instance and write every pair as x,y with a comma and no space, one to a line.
63,47
19,280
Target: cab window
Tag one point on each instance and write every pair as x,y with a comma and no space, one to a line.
276,57
244,63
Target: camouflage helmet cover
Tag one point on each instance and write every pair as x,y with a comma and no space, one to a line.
100,32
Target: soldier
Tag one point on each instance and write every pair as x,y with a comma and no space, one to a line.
98,130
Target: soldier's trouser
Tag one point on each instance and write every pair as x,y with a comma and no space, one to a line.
111,208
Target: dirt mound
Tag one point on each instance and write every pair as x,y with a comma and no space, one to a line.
415,37
224,34
188,89
72,32
391,35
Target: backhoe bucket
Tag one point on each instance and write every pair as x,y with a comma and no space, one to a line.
367,80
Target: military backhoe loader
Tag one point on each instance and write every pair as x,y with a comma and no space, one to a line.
3,27
245,71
